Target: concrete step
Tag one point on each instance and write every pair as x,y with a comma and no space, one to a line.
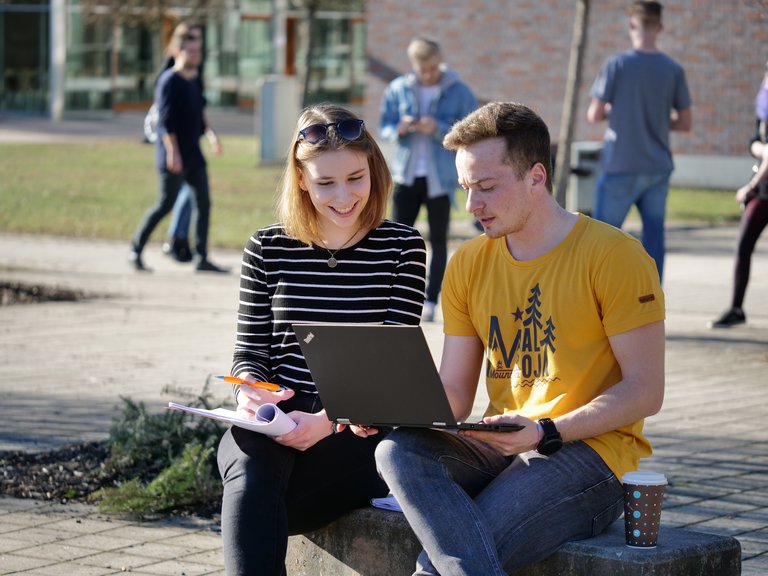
373,542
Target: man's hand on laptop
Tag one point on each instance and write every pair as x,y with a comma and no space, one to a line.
508,443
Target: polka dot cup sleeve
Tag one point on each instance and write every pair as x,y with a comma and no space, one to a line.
643,495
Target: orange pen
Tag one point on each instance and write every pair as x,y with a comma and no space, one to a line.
263,385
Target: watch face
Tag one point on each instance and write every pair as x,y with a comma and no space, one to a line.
549,446
552,441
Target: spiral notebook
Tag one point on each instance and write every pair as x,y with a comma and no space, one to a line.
379,375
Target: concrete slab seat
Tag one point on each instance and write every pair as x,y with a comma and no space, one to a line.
373,542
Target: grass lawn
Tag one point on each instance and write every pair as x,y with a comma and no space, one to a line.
101,190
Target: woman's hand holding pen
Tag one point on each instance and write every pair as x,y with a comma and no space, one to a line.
251,397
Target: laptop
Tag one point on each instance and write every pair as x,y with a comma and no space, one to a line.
377,375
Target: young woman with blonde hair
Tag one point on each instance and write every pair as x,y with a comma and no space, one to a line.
332,258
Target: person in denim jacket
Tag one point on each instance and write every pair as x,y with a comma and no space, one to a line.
417,111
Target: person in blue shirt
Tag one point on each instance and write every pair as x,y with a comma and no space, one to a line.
643,95
417,111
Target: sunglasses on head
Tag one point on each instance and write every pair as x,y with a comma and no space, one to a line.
348,129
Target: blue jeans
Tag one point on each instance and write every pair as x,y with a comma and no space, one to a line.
182,215
615,195
476,511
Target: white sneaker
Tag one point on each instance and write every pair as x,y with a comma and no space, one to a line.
428,312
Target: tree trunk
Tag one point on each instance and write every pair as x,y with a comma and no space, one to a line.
309,38
114,61
571,101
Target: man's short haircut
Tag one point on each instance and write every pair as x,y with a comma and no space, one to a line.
524,132
422,48
647,11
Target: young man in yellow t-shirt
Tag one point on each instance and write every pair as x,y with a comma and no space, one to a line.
564,315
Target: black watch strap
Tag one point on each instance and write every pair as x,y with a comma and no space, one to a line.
551,441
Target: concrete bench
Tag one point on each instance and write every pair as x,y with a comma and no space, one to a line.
372,542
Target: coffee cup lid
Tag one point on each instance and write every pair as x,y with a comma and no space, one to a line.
643,478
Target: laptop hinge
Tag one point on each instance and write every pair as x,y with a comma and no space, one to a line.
343,421
439,424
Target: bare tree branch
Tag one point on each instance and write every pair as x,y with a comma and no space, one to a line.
759,4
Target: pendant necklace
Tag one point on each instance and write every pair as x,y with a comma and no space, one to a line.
332,262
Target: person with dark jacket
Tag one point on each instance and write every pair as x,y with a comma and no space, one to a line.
179,159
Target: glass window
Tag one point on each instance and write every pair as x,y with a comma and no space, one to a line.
256,6
221,60
359,61
24,60
136,68
338,61
88,83
26,2
255,49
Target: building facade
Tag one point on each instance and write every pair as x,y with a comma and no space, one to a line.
519,50
56,60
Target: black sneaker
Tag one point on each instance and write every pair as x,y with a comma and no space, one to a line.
206,265
731,317
138,264
178,249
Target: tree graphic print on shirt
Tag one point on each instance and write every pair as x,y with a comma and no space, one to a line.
528,357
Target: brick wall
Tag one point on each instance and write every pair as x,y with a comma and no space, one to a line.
519,50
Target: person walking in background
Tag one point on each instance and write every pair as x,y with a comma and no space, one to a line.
333,258
566,314
177,244
179,159
643,94
417,110
754,198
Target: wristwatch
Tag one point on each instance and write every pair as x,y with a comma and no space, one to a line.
551,441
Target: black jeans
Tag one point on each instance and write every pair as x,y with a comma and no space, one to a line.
170,184
753,222
271,491
407,201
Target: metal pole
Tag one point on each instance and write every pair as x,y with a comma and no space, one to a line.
58,51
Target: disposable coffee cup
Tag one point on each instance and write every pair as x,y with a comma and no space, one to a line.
643,495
